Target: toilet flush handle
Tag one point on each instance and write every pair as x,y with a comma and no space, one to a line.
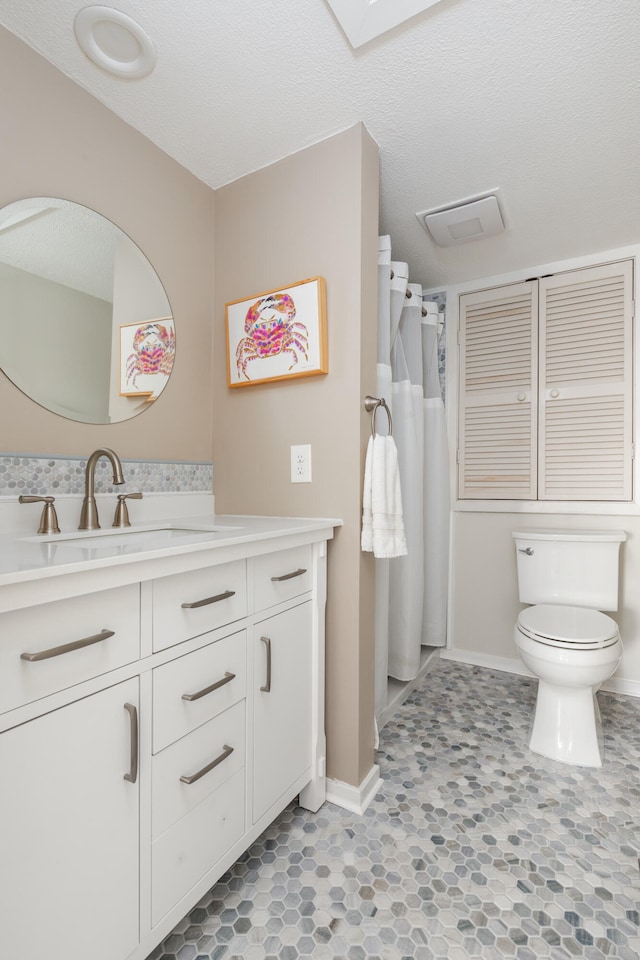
527,550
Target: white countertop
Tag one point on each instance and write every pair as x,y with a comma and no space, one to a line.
26,559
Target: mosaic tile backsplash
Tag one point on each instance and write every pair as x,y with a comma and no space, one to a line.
44,476
473,847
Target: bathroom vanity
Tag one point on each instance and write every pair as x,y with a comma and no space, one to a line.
161,702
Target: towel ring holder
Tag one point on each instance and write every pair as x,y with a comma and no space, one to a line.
372,405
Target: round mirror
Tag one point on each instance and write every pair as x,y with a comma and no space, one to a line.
85,324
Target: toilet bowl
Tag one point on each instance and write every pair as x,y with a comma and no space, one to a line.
563,637
572,651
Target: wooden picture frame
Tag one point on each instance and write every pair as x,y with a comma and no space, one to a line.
280,334
147,352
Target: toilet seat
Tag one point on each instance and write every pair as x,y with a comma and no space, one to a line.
577,628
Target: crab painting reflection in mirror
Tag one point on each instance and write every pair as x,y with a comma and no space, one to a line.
147,352
278,335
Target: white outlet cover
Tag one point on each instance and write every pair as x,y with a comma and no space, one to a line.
301,463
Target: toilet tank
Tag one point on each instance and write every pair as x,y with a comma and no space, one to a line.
574,567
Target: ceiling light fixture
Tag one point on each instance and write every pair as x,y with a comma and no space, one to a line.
472,219
115,42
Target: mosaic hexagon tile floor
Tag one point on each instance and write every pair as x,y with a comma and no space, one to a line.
473,847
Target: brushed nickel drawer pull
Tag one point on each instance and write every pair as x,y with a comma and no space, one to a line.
267,686
228,677
207,600
289,576
68,647
132,776
226,752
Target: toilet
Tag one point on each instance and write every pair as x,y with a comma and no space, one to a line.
568,578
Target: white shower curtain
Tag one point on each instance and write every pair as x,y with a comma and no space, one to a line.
411,591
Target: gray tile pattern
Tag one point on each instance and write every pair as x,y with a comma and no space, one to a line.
473,847
60,476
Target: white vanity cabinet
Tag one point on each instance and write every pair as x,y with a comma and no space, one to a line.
153,721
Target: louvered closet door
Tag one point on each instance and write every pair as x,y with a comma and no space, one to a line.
498,393
585,377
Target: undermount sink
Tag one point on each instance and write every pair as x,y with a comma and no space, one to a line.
161,535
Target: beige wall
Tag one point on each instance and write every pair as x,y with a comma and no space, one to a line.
485,591
58,141
311,214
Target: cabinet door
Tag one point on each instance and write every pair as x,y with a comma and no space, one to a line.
69,832
283,705
497,438
586,373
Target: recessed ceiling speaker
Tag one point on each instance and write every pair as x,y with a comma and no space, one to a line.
472,219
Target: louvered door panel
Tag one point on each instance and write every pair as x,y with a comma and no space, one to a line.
498,393
585,376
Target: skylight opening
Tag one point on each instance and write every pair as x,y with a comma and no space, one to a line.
364,20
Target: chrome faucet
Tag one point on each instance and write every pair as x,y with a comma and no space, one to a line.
89,514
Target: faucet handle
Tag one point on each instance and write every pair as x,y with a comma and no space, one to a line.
121,518
49,518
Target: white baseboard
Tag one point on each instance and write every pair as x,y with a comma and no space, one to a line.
630,688
478,659
354,799
399,690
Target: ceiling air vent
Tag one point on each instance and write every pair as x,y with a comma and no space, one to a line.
471,219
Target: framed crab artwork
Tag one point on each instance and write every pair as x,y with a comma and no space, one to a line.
278,335
147,352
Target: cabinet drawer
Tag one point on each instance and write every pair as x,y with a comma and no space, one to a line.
192,847
189,604
221,739
281,576
38,633
196,687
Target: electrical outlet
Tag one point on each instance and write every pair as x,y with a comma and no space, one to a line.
301,463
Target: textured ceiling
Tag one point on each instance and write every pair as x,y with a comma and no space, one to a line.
539,98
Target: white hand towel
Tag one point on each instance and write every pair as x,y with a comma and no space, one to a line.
382,521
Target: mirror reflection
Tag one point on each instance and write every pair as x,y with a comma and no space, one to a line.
85,324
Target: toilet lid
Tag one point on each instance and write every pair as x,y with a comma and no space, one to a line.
571,625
